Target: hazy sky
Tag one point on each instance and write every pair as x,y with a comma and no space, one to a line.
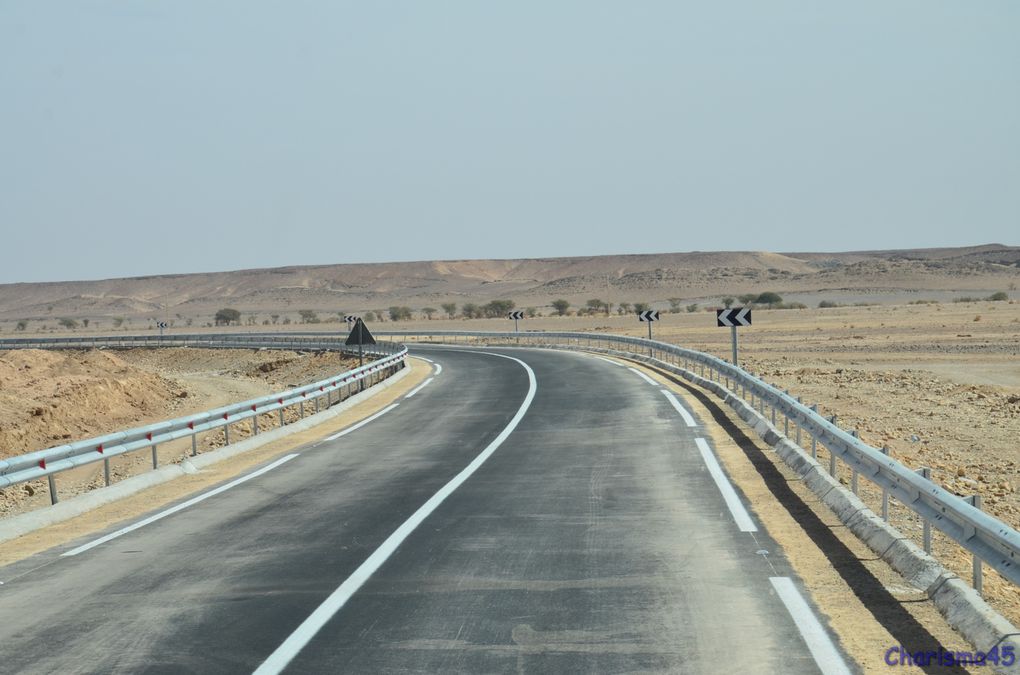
144,137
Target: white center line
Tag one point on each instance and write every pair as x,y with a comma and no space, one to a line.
739,513
644,377
304,633
355,427
419,387
180,507
825,653
688,420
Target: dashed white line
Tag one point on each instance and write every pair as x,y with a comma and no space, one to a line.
419,387
644,377
824,652
180,507
283,655
737,510
688,420
355,427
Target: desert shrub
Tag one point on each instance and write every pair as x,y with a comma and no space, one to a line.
223,317
768,298
998,297
826,304
21,325
560,306
693,307
728,302
966,298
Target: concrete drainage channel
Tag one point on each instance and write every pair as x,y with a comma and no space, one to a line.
959,603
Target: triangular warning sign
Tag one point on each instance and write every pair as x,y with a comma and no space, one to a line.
360,335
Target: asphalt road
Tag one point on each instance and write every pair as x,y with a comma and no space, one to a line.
553,513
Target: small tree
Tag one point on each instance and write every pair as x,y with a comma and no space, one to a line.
531,312
768,298
398,313
998,297
728,302
595,305
428,312
450,308
223,317
21,325
691,308
497,308
308,316
470,310
747,298
624,308
369,316
85,322
674,304
274,317
641,307
560,307
68,323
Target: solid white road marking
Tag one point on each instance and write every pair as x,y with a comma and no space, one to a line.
688,420
825,653
362,423
729,495
424,359
419,387
439,368
615,363
644,377
304,633
180,507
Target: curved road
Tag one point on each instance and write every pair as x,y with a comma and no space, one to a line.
547,512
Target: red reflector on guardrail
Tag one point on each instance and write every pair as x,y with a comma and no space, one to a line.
99,449
253,407
42,463
148,436
225,415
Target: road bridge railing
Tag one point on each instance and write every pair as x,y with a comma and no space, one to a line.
387,358
990,540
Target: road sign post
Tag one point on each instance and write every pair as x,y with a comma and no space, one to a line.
731,318
162,325
360,336
515,315
649,316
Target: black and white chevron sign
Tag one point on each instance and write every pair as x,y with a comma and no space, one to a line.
350,318
649,315
734,316
161,324
515,315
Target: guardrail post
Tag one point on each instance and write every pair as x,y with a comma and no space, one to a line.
797,424
155,456
226,431
832,454
885,493
194,439
814,438
853,469
301,409
106,471
975,501
925,473
53,489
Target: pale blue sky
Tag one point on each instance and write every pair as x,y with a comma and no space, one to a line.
143,137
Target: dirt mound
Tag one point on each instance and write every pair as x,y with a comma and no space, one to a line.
49,398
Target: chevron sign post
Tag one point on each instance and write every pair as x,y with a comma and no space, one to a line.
162,326
516,316
649,316
731,318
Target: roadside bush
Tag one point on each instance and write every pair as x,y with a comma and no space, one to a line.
826,304
998,297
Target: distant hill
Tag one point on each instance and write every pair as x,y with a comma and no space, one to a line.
694,276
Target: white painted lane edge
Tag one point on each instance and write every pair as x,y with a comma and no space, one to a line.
602,358
688,419
304,633
644,377
424,359
419,387
824,652
439,368
180,507
737,510
355,427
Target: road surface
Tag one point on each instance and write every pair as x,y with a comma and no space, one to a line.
524,511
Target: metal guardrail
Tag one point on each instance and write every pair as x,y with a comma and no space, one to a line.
987,538
46,463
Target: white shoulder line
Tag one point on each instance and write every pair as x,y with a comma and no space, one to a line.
439,368
419,387
180,507
602,358
729,495
644,377
355,427
304,633
824,652
688,420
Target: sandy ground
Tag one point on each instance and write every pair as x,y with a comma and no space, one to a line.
51,398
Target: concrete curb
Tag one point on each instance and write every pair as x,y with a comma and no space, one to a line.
959,603
25,523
